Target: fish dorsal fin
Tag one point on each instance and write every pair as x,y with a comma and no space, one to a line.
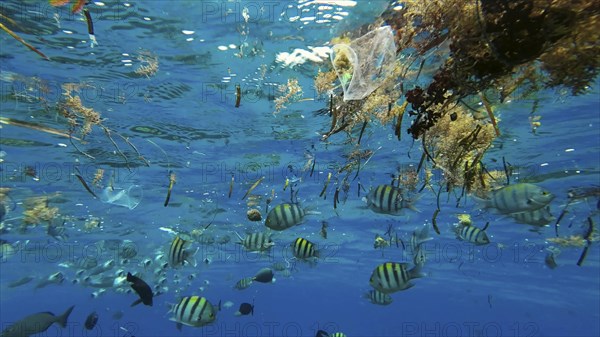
486,226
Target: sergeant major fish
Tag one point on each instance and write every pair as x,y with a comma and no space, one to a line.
521,197
179,254
472,234
193,311
284,216
377,297
391,277
388,199
304,249
256,242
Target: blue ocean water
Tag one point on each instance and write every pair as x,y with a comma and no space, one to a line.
182,119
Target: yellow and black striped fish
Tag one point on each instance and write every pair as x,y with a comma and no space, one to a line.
179,254
338,334
377,297
388,199
256,242
193,311
284,216
391,277
304,249
244,283
521,197
472,234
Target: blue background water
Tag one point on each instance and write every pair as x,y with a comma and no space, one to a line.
469,291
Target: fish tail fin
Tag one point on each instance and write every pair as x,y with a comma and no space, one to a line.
410,203
317,254
482,203
191,257
62,319
416,271
421,236
239,237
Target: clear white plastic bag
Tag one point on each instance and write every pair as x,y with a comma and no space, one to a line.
364,64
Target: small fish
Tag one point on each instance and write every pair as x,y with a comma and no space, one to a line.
391,277
91,320
6,251
471,234
256,242
337,334
36,323
244,283
245,309
179,254
56,278
380,242
264,275
377,297
142,289
193,311
521,197
322,333
287,183
304,249
388,199
284,216
20,282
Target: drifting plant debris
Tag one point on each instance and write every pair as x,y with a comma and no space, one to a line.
149,64
289,93
38,211
82,119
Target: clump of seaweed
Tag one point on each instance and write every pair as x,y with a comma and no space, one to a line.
570,241
289,93
324,81
484,52
81,119
38,211
457,147
149,64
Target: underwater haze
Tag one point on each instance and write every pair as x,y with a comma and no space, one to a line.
441,159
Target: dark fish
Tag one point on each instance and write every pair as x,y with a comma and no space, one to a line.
246,309
264,275
321,333
36,323
91,320
142,289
